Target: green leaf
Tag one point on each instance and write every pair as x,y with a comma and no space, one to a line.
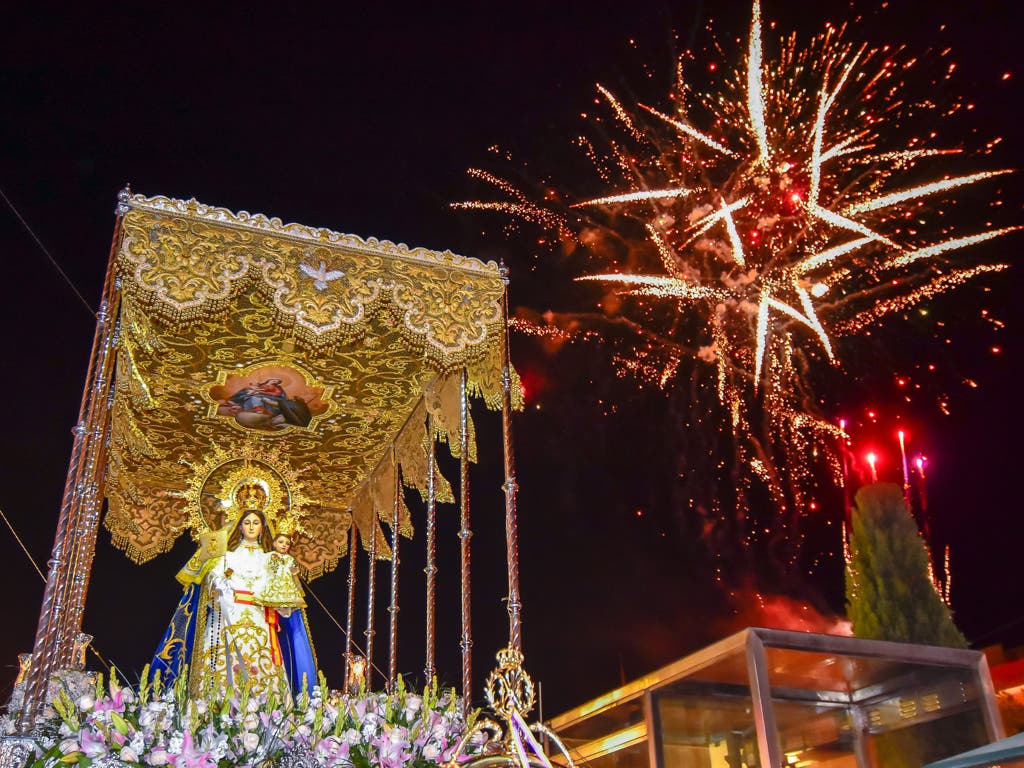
119,723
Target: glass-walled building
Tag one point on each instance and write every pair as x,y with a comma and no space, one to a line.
766,697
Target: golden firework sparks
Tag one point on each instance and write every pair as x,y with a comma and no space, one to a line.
783,211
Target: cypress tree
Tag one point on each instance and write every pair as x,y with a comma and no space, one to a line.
888,590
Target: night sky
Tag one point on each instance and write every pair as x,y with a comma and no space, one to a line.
364,120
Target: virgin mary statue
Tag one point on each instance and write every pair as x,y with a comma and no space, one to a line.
222,634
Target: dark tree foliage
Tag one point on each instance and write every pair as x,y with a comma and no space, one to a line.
888,590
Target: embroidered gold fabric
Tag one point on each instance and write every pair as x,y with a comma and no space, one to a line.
443,398
211,299
281,590
244,646
187,263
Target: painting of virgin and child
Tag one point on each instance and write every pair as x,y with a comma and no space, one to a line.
269,398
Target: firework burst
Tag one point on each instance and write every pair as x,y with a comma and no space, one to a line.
772,217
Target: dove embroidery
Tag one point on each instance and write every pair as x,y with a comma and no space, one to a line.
321,277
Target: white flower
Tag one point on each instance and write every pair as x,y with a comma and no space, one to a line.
174,743
68,746
431,751
252,706
201,706
250,740
250,722
352,736
86,703
128,755
412,705
138,743
148,716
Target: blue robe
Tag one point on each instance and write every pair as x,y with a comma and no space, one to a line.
297,652
174,652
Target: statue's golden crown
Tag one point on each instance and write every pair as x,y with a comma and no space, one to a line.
251,496
251,478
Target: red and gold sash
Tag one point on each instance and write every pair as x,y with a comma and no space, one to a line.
273,626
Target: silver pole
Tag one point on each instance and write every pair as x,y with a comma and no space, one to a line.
371,592
465,534
393,627
429,670
515,606
74,545
353,550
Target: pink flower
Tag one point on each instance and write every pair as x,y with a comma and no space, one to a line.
331,750
191,757
93,744
157,757
392,748
113,704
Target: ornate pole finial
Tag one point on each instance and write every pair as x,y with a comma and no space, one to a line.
124,200
509,689
512,742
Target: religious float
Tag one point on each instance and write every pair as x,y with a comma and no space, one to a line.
233,353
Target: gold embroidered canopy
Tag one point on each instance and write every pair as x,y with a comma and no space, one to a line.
310,357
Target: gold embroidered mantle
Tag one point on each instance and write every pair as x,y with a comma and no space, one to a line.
224,317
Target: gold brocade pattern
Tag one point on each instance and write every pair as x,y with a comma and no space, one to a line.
247,641
443,398
324,541
282,588
208,296
215,646
411,451
188,270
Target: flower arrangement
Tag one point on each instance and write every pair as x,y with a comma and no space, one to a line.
159,725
